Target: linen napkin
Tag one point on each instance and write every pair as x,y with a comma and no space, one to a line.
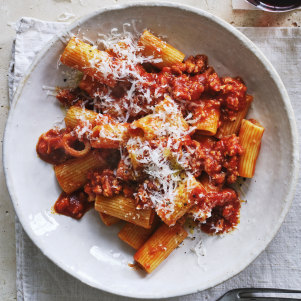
38,279
242,4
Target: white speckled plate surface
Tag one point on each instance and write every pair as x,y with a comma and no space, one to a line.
91,251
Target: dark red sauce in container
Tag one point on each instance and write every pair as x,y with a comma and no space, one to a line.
276,5
75,204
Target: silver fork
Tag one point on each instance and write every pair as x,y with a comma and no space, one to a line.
245,294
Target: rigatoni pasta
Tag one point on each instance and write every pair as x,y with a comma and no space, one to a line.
136,236
72,174
250,136
76,114
159,246
108,220
109,135
209,125
232,127
183,201
153,46
151,140
154,125
125,209
88,59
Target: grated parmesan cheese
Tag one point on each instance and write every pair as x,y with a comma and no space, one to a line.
125,48
160,159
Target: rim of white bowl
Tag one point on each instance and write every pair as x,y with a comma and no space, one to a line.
288,107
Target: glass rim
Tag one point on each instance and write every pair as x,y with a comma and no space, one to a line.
277,9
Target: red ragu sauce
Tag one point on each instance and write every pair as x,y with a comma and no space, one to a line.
225,212
74,204
158,140
49,147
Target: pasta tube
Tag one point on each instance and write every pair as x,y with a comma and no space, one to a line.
110,135
72,174
89,60
182,202
134,235
76,114
232,127
125,209
108,220
159,246
250,135
167,118
153,46
209,125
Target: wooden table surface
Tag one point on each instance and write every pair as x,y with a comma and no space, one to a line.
52,10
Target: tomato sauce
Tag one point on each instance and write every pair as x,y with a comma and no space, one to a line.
75,204
49,147
225,209
74,97
187,82
232,98
223,218
220,158
198,91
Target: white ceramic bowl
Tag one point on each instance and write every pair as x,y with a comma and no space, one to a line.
91,251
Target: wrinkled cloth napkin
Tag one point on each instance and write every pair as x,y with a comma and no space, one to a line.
38,279
242,4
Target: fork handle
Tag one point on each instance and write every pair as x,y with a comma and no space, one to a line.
246,291
269,290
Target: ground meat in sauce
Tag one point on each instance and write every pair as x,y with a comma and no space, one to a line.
192,80
232,97
192,65
203,82
231,150
142,197
185,88
196,64
202,109
74,204
102,182
111,156
75,97
221,158
223,218
125,171
190,157
223,207
129,189
218,158
192,84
